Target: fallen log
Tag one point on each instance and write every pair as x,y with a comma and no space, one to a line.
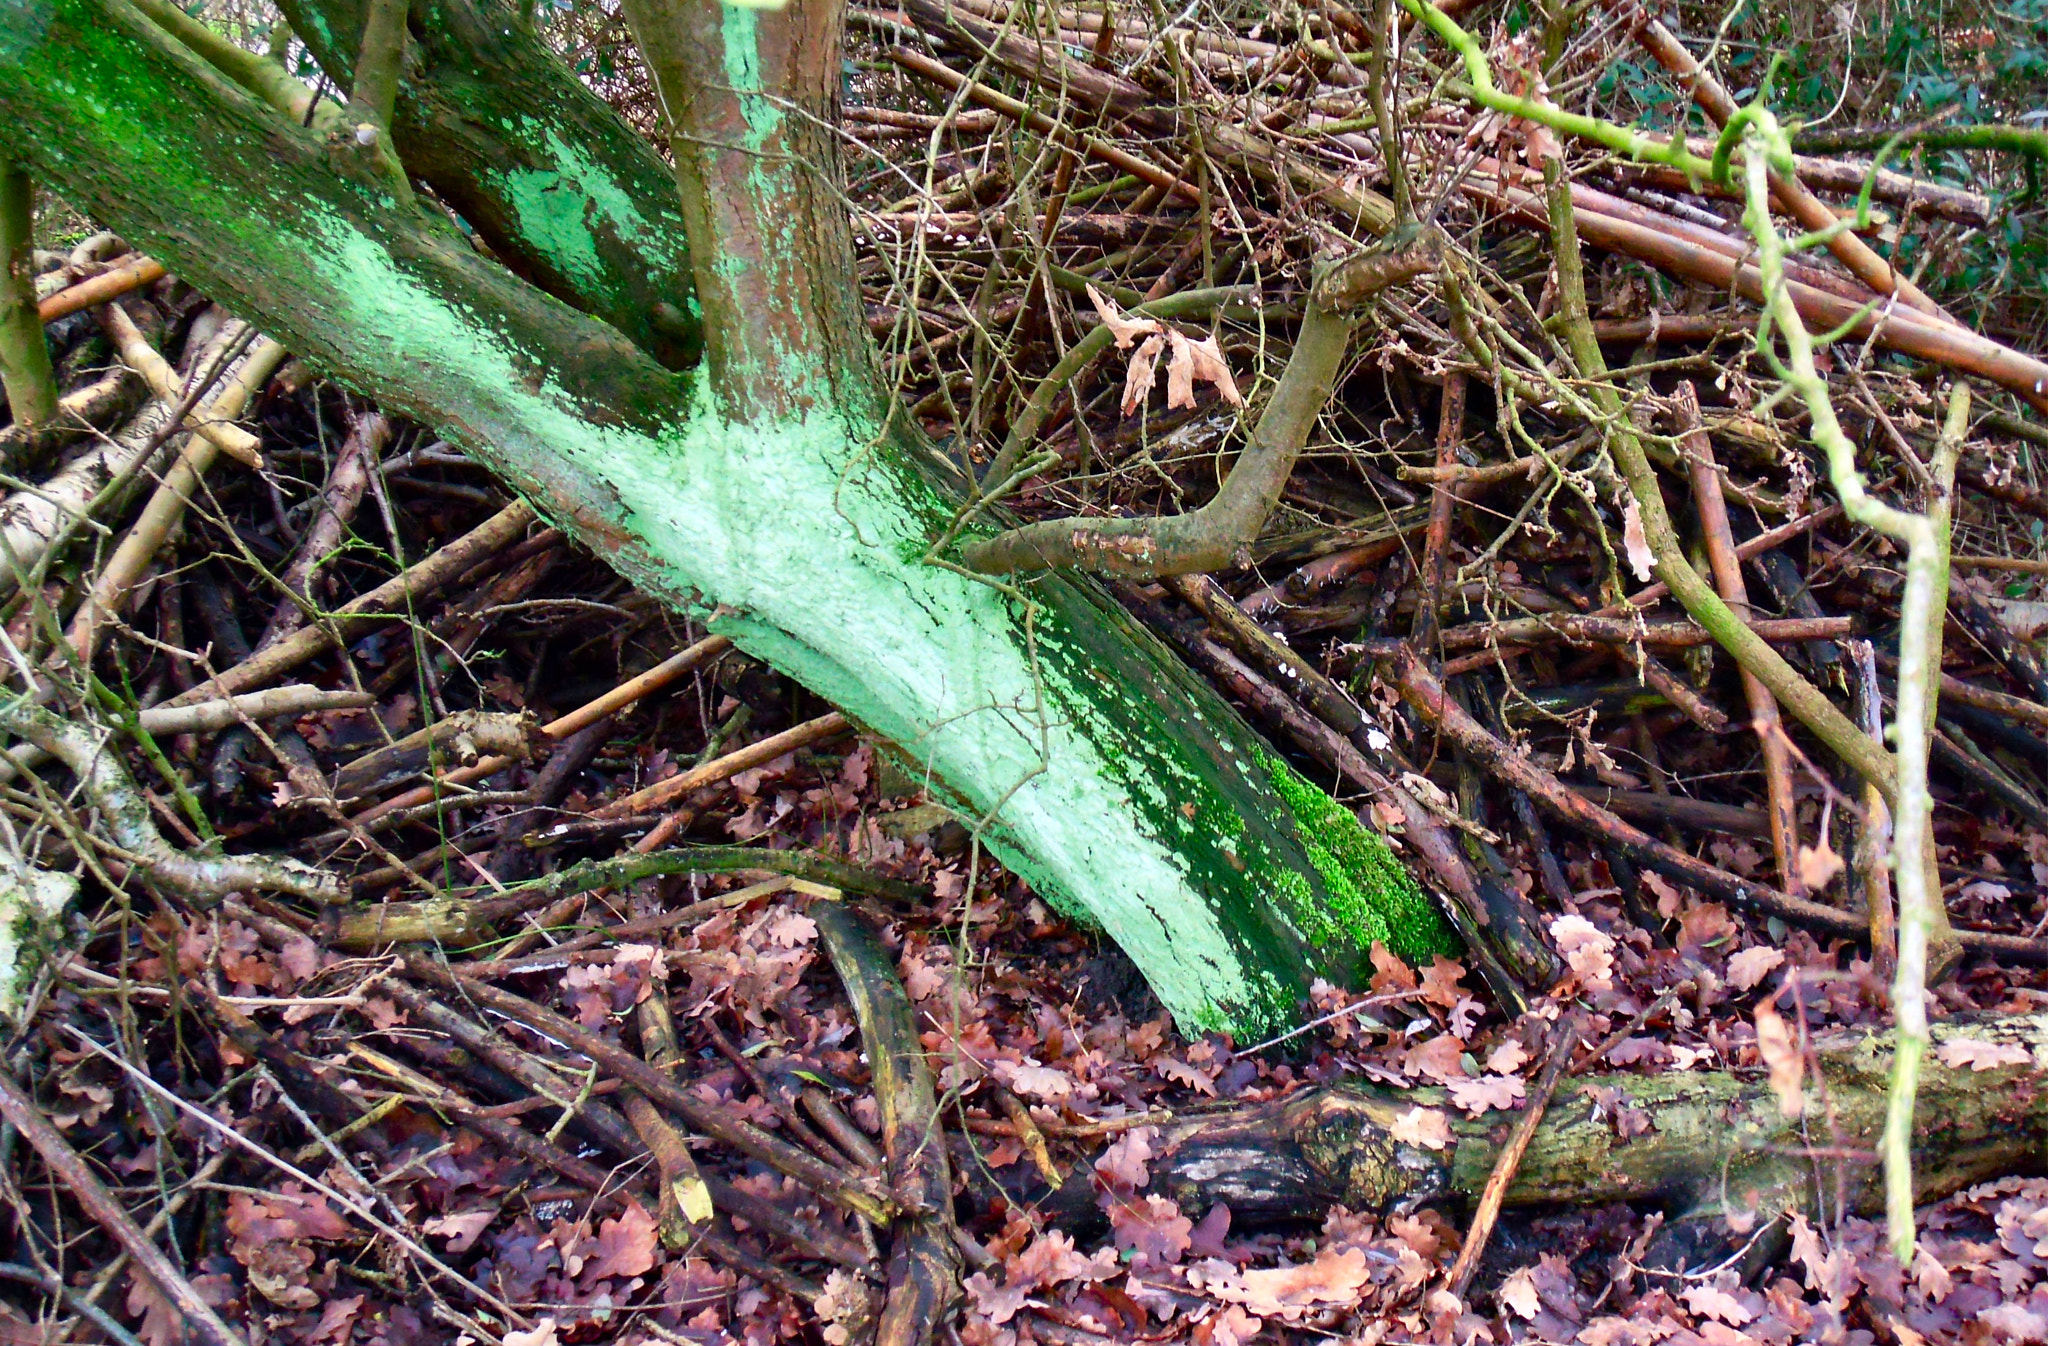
1702,1143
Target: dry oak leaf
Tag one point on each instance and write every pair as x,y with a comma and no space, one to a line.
1123,1164
1196,362
624,1247
1389,973
162,1324
1152,1229
1180,1072
1958,1053
1124,328
1637,543
1752,965
1042,1082
1440,983
1709,1302
1234,1327
543,1334
1290,1292
1144,369
2015,1322
1441,1058
1487,1093
1427,1127
1518,1292
460,1229
1588,948
1507,1058
1050,1260
1612,1331
1786,1062
1818,865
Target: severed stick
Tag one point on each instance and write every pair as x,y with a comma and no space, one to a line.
215,423
1719,540
125,278
1450,434
731,764
1564,1040
617,699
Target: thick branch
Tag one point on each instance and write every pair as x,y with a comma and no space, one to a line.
1207,538
24,356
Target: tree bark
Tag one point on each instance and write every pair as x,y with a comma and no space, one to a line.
1715,1140
563,191
772,480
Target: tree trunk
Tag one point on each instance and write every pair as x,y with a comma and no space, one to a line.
771,480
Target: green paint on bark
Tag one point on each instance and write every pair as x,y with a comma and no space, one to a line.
1124,788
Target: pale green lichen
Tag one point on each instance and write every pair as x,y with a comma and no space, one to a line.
811,540
31,902
561,209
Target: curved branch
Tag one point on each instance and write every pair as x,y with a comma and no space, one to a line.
125,816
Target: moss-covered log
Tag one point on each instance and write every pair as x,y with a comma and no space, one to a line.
771,480
1703,1142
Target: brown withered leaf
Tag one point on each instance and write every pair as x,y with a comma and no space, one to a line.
1389,973
1752,965
1124,328
1487,1093
1334,1278
1440,982
1711,1302
1151,1229
1518,1292
1180,1072
624,1247
1636,542
1787,1064
1197,362
1818,865
1427,1127
460,1229
1123,1164
1961,1053
1508,1057
1144,369
1439,1059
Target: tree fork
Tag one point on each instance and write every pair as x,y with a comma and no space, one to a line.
773,482
562,189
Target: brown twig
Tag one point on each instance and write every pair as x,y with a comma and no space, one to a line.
21,1112
1564,1041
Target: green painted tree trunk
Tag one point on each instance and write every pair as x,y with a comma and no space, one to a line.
770,479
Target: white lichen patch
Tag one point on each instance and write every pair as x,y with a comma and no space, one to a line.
32,902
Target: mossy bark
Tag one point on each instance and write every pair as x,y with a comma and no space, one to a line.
770,481
559,187
1704,1142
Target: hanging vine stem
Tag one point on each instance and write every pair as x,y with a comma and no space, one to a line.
1766,147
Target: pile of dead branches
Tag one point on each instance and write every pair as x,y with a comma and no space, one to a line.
420,991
